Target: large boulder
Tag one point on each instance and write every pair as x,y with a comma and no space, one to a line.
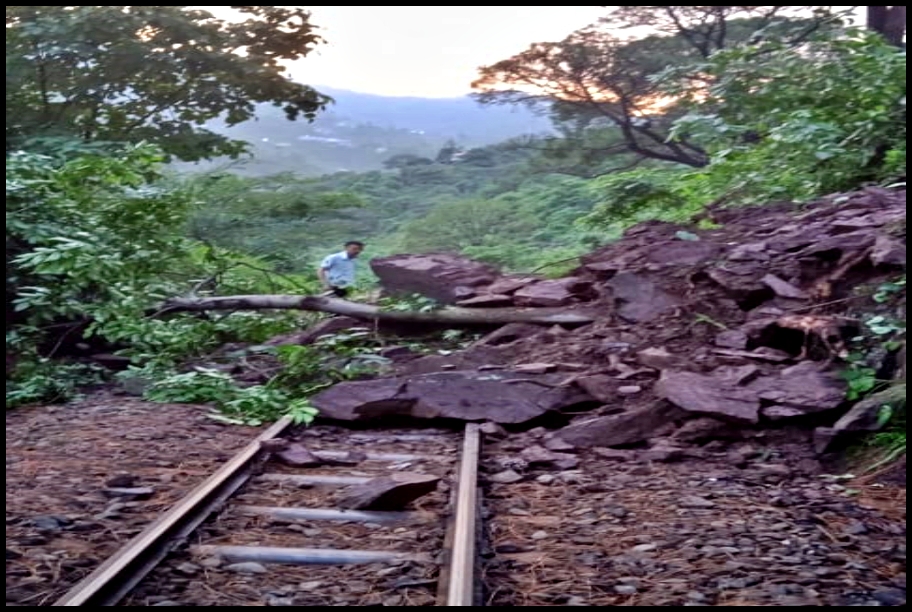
715,396
803,386
469,395
443,277
736,394
621,429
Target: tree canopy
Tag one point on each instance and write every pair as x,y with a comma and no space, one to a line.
151,73
600,78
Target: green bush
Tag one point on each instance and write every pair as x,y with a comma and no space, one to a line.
785,122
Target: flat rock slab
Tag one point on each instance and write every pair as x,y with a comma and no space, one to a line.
468,395
735,394
783,288
393,492
803,386
511,284
709,395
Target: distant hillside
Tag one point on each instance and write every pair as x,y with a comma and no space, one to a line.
462,119
361,130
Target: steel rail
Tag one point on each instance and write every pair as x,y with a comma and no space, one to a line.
120,573
460,588
124,570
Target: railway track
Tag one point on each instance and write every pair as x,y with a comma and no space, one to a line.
256,526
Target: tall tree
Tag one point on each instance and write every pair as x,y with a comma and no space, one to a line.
598,78
153,73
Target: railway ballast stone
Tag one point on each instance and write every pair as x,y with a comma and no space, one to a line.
297,455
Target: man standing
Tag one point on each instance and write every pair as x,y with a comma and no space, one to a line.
337,271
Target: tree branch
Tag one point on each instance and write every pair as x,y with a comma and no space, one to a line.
366,312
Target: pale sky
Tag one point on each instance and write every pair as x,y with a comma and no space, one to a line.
428,51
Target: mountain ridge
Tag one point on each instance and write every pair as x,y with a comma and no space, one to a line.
359,131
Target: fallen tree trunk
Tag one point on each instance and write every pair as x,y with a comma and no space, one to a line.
366,312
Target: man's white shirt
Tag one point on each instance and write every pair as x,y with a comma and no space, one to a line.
340,269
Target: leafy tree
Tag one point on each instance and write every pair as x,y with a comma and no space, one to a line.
447,151
820,119
94,242
594,75
639,195
151,73
596,79
708,29
88,235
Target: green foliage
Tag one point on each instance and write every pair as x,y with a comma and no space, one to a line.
95,241
42,380
88,234
89,238
304,371
151,73
781,122
193,387
640,195
860,378
887,291
879,333
890,441
269,217
486,203
457,225
239,405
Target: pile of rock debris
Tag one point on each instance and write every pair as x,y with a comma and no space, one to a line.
698,335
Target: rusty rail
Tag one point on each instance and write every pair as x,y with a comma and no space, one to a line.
124,570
